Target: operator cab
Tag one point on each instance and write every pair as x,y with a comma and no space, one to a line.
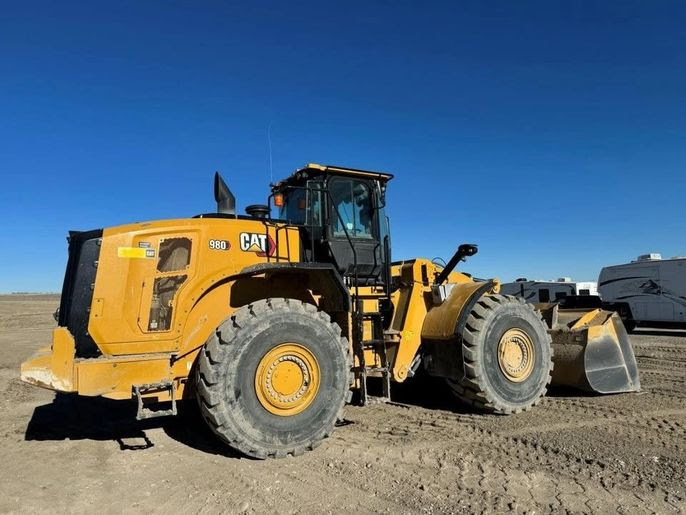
340,212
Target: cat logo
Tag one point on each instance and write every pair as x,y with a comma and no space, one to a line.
262,244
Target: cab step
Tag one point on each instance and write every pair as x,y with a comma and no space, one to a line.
143,412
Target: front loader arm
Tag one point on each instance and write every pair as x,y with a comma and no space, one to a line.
420,313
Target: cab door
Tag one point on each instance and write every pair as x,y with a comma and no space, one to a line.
353,235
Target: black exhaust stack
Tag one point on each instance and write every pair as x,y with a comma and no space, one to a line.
226,202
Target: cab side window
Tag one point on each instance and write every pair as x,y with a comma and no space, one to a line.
352,200
293,209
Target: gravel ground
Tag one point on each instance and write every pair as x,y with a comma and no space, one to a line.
573,453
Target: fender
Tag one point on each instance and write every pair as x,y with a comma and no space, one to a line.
443,326
320,278
447,320
217,302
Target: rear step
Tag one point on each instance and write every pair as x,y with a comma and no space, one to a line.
144,413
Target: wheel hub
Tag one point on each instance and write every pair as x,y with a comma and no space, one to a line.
516,355
287,379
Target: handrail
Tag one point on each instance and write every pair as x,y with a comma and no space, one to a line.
340,219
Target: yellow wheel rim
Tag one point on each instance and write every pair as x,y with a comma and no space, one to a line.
287,379
516,355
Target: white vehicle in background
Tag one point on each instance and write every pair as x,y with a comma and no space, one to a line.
648,291
548,291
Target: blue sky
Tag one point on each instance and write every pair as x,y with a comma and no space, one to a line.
551,134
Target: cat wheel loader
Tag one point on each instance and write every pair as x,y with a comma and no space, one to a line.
270,320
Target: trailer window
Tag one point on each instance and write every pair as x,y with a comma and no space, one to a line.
544,295
584,291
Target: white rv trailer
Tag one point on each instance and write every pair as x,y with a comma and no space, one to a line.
650,290
548,291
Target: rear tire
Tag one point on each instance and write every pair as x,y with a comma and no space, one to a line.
272,381
506,356
629,325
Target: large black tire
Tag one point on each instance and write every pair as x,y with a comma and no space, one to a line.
482,382
226,378
629,325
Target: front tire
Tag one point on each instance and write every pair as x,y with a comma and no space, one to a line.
506,356
273,379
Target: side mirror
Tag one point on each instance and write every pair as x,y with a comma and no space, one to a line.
466,250
226,202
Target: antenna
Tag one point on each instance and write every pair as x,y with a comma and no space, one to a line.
271,164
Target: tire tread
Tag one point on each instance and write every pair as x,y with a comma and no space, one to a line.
473,388
211,359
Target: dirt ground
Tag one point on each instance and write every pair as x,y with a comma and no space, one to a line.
573,453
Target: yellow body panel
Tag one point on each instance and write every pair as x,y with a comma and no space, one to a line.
121,308
56,368
53,367
115,377
119,313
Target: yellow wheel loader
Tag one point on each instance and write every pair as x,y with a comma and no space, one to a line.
272,319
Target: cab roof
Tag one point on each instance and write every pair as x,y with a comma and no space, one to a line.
313,170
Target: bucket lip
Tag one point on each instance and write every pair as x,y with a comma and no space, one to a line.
604,365
621,357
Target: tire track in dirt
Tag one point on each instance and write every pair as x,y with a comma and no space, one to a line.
674,354
651,378
670,393
655,433
503,455
660,363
